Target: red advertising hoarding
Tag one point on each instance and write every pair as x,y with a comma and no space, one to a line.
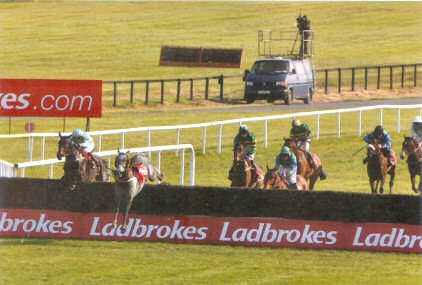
50,98
272,232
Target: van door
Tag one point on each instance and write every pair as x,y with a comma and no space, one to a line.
301,81
294,78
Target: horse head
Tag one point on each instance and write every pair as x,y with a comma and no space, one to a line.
122,165
66,147
409,147
240,153
291,143
271,178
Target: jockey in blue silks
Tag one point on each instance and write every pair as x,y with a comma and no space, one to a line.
286,163
85,142
383,138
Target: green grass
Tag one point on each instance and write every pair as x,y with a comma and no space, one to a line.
122,40
60,262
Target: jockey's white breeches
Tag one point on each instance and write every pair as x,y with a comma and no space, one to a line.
289,173
88,146
304,145
250,156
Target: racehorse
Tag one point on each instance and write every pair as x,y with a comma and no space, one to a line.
77,167
378,168
304,169
241,173
131,176
273,181
413,150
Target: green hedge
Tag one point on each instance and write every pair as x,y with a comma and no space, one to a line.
214,201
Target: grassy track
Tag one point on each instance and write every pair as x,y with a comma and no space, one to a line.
122,40
88,262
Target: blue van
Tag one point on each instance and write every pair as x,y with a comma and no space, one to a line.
280,78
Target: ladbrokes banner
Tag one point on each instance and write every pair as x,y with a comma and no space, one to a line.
274,232
50,98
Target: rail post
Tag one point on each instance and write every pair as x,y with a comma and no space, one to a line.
178,91
131,91
326,81
366,78
378,76
162,91
402,76
207,84
146,92
391,77
114,93
221,82
414,75
191,89
339,80
353,79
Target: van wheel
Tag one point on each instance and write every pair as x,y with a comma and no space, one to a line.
289,97
250,99
308,98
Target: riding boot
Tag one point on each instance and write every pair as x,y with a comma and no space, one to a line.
255,170
310,159
93,161
365,160
293,186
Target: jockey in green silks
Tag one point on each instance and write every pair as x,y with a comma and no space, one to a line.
286,164
248,141
302,133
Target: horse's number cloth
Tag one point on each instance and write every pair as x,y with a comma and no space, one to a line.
141,173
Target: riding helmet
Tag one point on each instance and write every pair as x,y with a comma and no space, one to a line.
378,130
243,128
296,123
285,150
77,133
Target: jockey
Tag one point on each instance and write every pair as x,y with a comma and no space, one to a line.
85,142
248,141
287,164
416,129
383,138
302,133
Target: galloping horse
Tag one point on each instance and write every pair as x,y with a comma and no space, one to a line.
413,150
377,168
304,169
131,176
273,181
241,173
77,168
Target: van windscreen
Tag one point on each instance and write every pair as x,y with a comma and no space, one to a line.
270,67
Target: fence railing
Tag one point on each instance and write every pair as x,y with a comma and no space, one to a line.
51,162
220,124
7,169
332,77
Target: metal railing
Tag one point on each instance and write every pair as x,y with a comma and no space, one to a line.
335,77
221,124
7,169
51,162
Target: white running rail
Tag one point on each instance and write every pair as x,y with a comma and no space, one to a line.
7,169
108,154
220,124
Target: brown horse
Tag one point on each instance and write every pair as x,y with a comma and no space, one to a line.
413,150
77,167
241,173
273,181
304,169
378,168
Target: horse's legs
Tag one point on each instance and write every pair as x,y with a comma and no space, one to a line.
312,181
392,176
413,181
126,212
372,184
382,184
